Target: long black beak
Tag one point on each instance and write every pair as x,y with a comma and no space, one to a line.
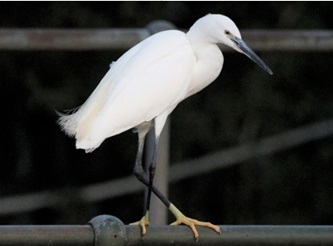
250,53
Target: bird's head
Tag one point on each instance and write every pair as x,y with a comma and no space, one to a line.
216,28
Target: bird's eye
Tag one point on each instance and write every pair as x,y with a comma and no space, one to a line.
226,32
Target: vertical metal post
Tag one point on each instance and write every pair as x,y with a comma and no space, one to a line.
158,212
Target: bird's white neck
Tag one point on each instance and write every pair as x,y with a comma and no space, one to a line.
208,66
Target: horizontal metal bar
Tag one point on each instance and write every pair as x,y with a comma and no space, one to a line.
70,39
116,38
234,235
108,230
82,235
289,40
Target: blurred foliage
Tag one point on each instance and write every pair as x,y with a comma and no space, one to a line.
244,104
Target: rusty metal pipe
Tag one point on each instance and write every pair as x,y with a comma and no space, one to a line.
70,39
108,230
47,235
117,38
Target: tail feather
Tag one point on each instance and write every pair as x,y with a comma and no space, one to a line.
68,122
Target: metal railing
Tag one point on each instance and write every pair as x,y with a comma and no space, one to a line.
115,38
107,230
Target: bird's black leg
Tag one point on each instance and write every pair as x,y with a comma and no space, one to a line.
142,177
139,170
140,173
152,168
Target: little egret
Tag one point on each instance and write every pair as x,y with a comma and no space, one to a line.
143,87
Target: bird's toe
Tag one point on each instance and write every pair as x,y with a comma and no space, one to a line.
192,223
142,223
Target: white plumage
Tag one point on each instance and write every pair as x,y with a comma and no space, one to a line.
149,80
145,84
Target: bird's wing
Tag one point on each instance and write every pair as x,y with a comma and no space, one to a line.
73,124
145,82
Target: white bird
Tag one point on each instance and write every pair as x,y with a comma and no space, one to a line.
144,86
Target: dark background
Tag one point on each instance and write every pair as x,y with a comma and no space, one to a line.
244,104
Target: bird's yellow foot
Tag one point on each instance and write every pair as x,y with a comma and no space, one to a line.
182,219
143,223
